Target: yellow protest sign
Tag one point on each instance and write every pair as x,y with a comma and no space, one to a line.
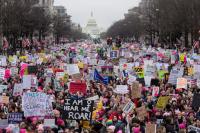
23,58
139,71
80,65
10,58
162,102
182,57
190,71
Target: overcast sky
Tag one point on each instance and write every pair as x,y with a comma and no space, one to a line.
105,12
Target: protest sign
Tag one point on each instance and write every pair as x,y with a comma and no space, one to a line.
136,92
77,109
2,73
175,73
141,112
34,104
131,79
49,72
94,98
147,80
26,82
15,118
121,89
3,61
113,54
49,123
150,128
3,123
196,99
77,87
155,91
34,82
139,71
14,71
128,107
181,83
4,99
162,102
72,69
60,75
193,128
3,88
17,90
57,85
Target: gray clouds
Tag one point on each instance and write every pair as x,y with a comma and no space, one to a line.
105,12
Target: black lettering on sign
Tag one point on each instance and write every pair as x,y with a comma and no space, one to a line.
77,109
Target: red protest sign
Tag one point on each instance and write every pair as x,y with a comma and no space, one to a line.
77,87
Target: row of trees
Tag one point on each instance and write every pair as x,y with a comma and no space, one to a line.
171,21
24,18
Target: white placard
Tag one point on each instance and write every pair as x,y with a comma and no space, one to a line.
72,69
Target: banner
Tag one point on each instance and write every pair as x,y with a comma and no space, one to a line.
162,102
15,118
181,83
78,109
34,104
77,87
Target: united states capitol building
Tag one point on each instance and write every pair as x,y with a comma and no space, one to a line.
92,28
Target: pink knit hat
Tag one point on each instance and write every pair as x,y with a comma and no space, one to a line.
136,130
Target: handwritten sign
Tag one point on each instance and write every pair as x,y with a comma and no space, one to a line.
78,109
128,107
4,99
181,83
17,90
34,104
77,87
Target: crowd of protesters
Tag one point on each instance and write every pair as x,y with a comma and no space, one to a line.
117,75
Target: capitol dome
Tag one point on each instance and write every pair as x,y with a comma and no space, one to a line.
92,28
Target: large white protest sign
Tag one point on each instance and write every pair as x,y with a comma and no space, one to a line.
72,69
34,104
17,90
